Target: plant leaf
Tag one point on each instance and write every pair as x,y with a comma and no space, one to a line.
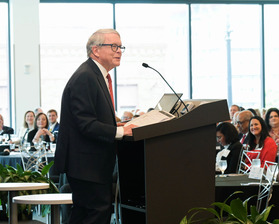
265,213
238,210
184,220
46,168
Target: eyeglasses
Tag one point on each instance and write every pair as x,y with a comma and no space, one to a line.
241,122
114,47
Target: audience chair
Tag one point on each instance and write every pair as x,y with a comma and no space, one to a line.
243,168
34,160
269,176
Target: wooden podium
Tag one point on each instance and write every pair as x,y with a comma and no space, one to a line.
167,168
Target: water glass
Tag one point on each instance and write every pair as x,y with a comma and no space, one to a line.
12,147
256,163
5,138
222,166
27,145
52,147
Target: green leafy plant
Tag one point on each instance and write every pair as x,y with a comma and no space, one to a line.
235,212
10,174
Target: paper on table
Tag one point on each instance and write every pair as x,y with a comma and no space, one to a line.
152,117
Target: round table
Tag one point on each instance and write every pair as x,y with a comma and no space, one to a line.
46,199
13,188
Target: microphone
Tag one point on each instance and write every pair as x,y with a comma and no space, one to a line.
185,107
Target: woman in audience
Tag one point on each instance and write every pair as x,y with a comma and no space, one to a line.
227,136
28,125
40,131
260,141
272,122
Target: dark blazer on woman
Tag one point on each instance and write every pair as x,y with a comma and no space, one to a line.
86,148
233,157
31,135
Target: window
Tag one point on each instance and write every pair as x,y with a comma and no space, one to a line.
63,43
271,55
226,53
161,41
4,64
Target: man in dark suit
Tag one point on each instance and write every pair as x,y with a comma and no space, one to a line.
5,129
243,125
53,126
86,145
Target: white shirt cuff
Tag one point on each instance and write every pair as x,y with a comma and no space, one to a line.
119,133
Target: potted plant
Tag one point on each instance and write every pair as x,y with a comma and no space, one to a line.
10,174
235,212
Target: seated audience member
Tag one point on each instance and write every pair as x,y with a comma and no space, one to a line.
5,152
260,141
40,131
227,136
272,123
5,129
52,119
127,115
243,125
263,113
258,112
233,109
139,113
28,125
38,110
253,111
234,120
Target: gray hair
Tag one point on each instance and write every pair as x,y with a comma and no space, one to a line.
98,38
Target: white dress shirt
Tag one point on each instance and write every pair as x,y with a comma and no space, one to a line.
120,130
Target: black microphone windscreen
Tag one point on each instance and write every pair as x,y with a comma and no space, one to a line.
145,65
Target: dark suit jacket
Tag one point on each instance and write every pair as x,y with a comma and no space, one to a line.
246,140
233,157
7,130
56,128
86,148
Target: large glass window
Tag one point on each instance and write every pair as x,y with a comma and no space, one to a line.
271,55
64,31
4,64
159,39
226,53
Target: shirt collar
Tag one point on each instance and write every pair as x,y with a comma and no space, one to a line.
102,69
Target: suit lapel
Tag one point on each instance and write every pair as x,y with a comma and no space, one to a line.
102,83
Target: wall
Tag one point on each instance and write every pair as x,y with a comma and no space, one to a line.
25,71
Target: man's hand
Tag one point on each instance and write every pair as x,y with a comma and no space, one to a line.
128,129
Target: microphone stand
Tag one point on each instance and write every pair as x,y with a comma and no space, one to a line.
147,66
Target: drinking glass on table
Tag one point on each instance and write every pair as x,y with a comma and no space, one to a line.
222,166
52,147
5,138
27,146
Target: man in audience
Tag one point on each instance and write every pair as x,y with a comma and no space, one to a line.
86,147
234,108
127,115
37,111
52,119
243,125
5,129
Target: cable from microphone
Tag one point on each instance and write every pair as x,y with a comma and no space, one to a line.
147,66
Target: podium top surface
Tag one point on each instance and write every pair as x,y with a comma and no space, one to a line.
206,112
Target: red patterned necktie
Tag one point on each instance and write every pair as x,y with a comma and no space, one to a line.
110,89
243,138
